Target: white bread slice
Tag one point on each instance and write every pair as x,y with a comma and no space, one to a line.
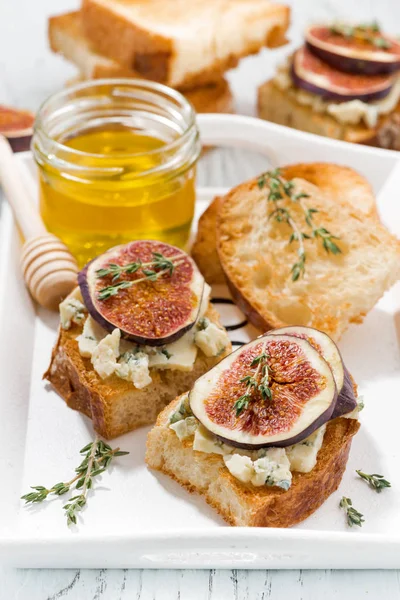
340,183
115,405
256,257
279,107
243,504
66,37
175,41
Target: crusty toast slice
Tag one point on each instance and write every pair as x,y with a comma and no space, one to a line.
278,106
340,183
256,257
66,37
115,405
176,42
243,504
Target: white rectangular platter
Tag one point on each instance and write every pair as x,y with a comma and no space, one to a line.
138,518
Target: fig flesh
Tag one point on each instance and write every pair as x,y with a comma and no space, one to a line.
322,343
346,401
367,52
310,73
17,126
301,398
149,290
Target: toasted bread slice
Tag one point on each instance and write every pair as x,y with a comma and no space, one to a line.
176,42
256,257
278,106
67,38
115,405
243,504
340,183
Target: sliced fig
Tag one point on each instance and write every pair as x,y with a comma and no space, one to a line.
299,396
346,400
364,50
322,343
16,125
310,73
135,288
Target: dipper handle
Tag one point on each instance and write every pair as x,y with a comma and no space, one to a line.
48,267
25,214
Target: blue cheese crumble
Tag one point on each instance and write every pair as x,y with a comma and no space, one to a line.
267,466
110,354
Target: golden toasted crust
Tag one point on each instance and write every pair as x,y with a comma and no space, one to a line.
335,290
147,38
115,405
340,183
278,106
244,504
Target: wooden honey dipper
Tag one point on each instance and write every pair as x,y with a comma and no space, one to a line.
48,267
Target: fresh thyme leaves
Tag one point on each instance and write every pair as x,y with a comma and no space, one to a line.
97,458
279,189
353,516
255,382
377,482
166,353
362,32
152,270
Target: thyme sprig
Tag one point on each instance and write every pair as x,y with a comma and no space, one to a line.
152,270
353,516
97,458
377,482
362,32
255,382
279,189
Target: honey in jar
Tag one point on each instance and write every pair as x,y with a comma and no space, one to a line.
116,163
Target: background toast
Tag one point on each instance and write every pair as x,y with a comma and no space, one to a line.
279,107
183,43
66,37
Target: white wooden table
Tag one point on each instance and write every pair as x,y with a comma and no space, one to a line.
28,74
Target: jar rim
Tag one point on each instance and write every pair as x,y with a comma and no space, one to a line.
152,86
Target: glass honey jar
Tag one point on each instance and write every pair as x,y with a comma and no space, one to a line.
116,162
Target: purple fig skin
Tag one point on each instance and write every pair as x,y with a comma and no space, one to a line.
346,401
329,95
356,66
103,322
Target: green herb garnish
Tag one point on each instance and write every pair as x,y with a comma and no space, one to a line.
98,456
377,482
152,270
279,189
353,516
166,353
255,382
362,32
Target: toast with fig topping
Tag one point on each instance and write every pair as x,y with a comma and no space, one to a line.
138,331
277,106
242,504
240,242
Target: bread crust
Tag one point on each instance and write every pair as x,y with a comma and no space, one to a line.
115,405
277,106
339,182
243,504
152,54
